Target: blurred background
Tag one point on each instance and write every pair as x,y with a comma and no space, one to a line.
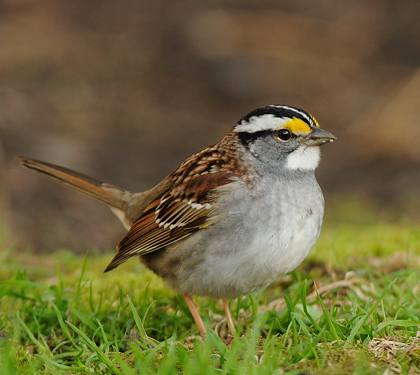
124,90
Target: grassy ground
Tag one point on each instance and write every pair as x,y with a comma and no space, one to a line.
352,308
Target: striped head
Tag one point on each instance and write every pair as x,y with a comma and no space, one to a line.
280,133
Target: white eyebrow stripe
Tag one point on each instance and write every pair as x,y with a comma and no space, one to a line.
303,114
261,123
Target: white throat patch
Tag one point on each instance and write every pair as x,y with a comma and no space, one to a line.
304,158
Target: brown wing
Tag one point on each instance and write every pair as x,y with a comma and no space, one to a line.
187,206
146,236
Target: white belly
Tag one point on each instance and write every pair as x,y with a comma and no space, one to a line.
267,238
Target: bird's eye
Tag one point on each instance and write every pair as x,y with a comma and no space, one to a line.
283,135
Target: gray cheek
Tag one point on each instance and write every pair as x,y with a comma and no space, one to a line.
253,148
278,148
271,154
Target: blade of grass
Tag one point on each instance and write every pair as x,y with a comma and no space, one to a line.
41,347
44,350
397,323
63,326
139,324
356,328
328,318
125,368
92,346
301,324
80,280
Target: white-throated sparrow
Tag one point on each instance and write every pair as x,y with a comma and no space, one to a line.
232,217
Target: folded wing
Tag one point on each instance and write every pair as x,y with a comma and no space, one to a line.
185,207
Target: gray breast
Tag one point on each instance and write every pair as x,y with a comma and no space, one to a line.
262,232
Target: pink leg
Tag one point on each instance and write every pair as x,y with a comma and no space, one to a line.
230,322
195,314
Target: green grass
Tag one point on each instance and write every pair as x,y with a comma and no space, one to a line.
60,314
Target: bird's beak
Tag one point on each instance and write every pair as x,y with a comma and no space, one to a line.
319,137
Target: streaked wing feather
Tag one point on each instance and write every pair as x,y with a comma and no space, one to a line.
185,207
167,221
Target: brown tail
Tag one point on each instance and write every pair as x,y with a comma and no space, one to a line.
111,195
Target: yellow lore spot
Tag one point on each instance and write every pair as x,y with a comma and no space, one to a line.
297,126
315,121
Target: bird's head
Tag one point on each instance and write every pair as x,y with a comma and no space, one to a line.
283,134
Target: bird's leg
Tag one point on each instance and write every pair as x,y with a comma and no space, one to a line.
195,314
230,322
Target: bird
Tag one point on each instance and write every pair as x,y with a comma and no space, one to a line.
232,217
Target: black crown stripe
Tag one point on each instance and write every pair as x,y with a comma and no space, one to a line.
280,111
